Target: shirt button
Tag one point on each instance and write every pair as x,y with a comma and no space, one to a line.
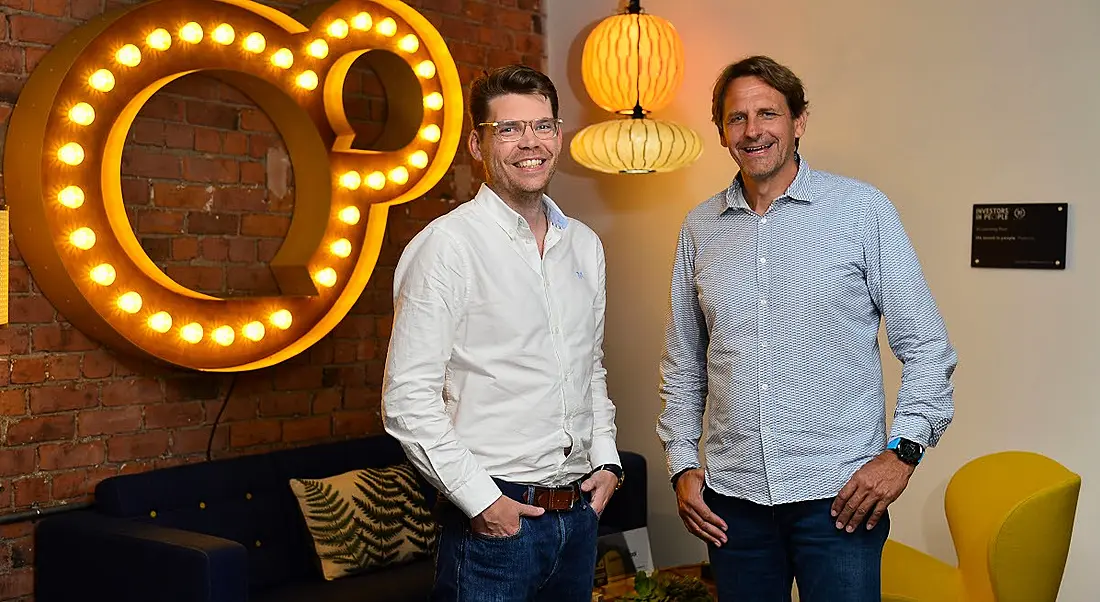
763,220
763,344
763,386
762,260
763,302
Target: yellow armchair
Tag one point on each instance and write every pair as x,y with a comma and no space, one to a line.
1011,515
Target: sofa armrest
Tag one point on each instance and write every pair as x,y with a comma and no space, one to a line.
629,506
90,556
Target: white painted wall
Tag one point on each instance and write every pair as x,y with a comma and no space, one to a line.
941,104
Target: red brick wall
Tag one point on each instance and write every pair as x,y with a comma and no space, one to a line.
210,192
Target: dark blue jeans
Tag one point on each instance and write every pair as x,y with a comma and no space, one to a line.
552,558
768,546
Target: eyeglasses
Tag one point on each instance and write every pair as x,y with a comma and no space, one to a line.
511,130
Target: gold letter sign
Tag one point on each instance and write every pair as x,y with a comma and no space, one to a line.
64,151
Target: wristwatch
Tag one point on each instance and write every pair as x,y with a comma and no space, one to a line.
908,451
613,469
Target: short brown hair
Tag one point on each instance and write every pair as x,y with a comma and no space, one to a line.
775,75
513,79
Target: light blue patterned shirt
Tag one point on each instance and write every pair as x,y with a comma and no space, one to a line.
774,328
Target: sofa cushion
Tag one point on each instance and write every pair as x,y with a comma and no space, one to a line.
365,519
410,582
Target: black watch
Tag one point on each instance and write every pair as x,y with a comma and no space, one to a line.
614,469
908,451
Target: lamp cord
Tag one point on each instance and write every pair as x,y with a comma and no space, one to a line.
635,8
217,419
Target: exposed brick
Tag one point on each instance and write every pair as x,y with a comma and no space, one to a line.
245,434
63,367
201,169
30,310
285,403
13,402
59,456
16,461
60,337
200,278
160,222
28,370
37,30
109,421
354,423
274,226
31,490
317,427
60,398
14,340
19,582
98,364
135,447
167,415
206,223
41,428
132,391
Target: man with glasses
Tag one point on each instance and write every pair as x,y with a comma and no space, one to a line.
494,383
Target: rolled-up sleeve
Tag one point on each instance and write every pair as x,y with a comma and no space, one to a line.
914,327
430,291
683,368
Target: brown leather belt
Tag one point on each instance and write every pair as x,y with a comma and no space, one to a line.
555,498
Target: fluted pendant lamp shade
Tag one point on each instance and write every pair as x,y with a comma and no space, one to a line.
631,60
632,146
632,64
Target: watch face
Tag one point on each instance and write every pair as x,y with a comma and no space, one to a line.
908,450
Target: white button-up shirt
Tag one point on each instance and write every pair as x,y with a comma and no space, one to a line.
495,360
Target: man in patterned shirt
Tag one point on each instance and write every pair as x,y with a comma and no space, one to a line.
778,288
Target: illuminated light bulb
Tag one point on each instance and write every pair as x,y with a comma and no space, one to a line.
377,180
129,302
281,319
191,33
223,335
351,180
362,21
160,322
426,69
128,55
326,277
102,80
349,215
338,29
160,39
192,333
387,27
409,43
419,159
224,34
82,113
430,133
341,248
71,197
82,238
253,331
255,42
399,175
433,101
71,154
283,58
103,274
318,49
307,80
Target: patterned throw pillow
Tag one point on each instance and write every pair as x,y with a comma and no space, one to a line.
366,519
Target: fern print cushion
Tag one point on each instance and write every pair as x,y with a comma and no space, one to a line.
366,519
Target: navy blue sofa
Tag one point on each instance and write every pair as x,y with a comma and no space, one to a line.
231,531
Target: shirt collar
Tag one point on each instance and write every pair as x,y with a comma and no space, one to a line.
799,190
507,218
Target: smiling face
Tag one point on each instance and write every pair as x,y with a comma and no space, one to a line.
759,131
519,170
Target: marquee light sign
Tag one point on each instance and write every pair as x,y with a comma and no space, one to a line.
64,152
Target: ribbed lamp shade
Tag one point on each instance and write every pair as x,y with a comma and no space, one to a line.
632,59
632,146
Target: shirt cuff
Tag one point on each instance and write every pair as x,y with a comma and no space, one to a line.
476,495
913,428
681,458
604,452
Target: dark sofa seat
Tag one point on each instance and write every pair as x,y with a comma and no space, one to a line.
231,530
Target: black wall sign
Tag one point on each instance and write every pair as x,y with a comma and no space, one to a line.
1025,235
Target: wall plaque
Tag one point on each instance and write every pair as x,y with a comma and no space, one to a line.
1022,235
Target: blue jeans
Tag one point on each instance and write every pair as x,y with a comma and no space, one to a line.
767,546
552,558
